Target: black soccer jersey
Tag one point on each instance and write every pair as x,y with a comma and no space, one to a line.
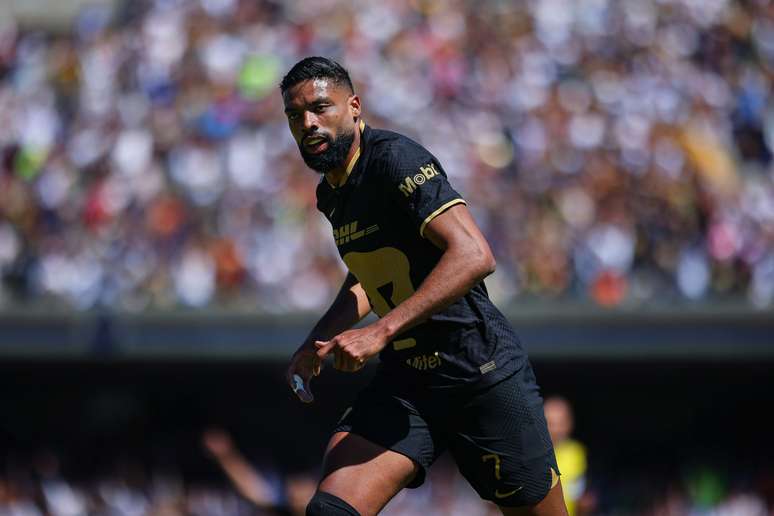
393,190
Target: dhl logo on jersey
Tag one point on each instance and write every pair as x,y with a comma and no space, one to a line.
411,183
349,232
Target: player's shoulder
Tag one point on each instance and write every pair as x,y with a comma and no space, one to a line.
385,140
391,151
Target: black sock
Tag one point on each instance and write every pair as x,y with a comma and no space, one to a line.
326,504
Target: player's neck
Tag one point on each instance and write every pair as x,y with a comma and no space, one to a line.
338,176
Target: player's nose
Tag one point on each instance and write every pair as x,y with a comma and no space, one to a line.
310,121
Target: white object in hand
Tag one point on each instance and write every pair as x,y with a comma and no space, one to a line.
300,390
298,383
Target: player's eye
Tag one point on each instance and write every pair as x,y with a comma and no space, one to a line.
292,116
320,108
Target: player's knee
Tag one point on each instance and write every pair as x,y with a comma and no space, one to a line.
326,504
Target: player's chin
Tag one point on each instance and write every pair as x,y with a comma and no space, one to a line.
317,163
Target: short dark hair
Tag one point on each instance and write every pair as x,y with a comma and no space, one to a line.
316,68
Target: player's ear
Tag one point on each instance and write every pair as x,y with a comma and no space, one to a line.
354,106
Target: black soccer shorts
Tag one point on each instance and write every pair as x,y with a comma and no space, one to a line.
497,436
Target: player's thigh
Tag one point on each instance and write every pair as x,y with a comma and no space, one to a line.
364,474
552,505
502,446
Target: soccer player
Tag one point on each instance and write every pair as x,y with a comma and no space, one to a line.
452,373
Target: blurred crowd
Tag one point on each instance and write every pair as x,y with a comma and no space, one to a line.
613,151
38,486
445,493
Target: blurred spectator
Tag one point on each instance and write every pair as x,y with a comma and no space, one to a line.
570,456
445,493
619,152
255,485
248,481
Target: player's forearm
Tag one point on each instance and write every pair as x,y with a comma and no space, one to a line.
459,269
349,307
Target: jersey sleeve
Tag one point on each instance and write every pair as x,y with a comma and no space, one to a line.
418,185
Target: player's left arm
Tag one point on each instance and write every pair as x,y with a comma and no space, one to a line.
466,260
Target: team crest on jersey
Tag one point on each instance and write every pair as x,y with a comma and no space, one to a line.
349,232
411,183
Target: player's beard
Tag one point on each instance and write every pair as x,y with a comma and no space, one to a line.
331,158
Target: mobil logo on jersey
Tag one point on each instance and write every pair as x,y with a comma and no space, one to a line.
411,183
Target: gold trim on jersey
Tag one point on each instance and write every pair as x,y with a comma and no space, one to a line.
351,163
438,212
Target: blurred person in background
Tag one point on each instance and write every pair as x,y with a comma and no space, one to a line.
452,372
252,484
570,455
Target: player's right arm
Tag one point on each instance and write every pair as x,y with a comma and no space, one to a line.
349,307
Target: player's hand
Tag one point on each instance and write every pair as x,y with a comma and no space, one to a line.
352,349
303,366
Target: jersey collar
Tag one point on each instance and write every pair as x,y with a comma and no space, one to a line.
353,161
